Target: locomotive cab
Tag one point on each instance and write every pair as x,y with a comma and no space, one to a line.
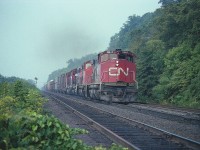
117,66
87,72
117,76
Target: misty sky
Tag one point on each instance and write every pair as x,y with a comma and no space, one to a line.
39,36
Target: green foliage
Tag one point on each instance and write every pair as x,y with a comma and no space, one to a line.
180,22
35,131
113,147
2,78
167,2
19,91
150,65
167,43
179,82
23,125
7,105
44,132
4,89
13,79
133,33
117,147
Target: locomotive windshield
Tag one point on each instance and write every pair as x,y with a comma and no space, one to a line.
88,65
111,56
129,58
106,57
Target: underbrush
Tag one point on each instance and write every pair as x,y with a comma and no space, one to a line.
181,103
24,125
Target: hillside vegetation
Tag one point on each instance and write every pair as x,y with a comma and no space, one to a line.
167,44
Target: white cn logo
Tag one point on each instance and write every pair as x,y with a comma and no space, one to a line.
117,71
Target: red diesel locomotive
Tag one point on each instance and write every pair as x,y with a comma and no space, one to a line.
111,77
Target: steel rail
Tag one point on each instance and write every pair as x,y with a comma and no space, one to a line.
114,137
174,137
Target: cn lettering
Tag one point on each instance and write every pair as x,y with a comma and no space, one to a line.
114,71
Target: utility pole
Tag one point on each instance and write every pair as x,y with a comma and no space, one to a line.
36,80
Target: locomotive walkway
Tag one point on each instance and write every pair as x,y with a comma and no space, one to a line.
127,132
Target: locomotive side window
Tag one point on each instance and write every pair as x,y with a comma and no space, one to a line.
126,56
129,58
104,57
122,56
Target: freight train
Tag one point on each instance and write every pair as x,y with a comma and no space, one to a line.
110,77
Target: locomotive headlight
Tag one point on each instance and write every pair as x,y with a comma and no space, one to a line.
117,63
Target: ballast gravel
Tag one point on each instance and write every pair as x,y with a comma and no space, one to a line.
185,129
94,138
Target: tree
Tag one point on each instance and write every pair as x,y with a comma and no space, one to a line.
168,2
4,89
20,92
150,66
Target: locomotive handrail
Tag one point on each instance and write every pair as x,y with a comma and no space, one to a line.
88,79
134,79
103,75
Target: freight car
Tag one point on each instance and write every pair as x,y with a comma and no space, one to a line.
111,77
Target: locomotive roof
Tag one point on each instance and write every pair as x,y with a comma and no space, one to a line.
117,51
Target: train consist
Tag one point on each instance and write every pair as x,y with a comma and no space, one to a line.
111,77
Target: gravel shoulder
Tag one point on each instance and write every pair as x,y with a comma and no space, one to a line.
94,138
188,114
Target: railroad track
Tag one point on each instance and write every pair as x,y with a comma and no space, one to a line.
183,122
188,117
127,132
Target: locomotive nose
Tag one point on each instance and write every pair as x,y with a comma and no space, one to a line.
123,71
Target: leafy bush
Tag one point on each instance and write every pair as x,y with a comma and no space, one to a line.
37,131
24,126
